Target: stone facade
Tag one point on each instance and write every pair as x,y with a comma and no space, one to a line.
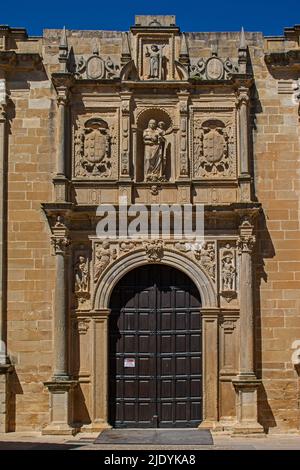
155,116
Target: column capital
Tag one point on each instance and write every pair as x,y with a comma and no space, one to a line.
62,81
246,241
3,115
60,244
242,96
245,244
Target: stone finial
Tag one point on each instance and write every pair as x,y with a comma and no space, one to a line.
242,52
184,51
125,54
63,51
243,45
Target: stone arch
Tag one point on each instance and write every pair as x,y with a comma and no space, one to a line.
137,258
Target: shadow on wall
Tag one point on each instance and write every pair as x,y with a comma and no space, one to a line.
15,389
265,250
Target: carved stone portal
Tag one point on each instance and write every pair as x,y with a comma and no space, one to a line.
214,150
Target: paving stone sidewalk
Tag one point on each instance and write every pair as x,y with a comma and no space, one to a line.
35,441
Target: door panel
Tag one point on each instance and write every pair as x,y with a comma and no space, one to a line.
155,350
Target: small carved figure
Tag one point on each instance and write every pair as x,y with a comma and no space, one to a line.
206,256
155,59
81,275
228,272
103,257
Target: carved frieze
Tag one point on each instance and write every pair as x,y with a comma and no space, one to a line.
214,145
95,148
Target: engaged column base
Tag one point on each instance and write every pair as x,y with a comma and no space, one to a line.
61,408
5,370
246,389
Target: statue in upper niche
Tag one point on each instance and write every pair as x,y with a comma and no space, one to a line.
155,59
154,156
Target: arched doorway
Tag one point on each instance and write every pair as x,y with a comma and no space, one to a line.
155,350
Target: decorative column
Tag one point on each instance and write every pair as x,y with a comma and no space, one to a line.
210,367
246,383
61,386
244,173
5,366
183,98
62,82
99,414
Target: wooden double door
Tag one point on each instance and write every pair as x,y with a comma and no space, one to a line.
155,364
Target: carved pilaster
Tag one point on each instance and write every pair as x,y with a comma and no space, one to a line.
3,214
183,116
126,144
246,384
242,105
62,83
60,242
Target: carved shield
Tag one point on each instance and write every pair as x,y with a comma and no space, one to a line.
214,69
213,145
95,146
95,68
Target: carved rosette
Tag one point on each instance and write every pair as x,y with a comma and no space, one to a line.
154,250
95,149
214,153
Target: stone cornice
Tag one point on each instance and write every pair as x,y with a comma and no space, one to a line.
289,58
23,61
63,80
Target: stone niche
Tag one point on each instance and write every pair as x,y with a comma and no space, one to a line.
163,148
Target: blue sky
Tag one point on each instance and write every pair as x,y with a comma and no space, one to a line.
270,17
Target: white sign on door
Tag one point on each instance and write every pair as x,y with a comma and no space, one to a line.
129,362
